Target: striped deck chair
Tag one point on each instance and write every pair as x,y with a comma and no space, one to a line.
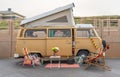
27,58
97,60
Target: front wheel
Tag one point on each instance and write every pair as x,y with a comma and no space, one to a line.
82,55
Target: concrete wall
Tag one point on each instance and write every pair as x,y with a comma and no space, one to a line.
7,44
114,51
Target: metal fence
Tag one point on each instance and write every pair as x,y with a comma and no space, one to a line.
109,30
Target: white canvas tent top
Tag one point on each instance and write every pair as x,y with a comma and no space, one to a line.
62,16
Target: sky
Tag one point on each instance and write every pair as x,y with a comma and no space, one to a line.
30,8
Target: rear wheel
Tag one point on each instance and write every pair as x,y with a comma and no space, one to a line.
36,54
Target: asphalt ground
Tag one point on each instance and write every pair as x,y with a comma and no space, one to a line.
13,68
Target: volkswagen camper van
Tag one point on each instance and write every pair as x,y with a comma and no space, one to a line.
72,40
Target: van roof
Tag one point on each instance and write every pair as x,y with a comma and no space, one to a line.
84,26
69,6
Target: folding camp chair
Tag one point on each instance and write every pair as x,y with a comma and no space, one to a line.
27,58
96,60
30,59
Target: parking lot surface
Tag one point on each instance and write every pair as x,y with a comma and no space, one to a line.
12,68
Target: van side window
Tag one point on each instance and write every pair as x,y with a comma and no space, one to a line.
91,33
59,33
85,33
35,33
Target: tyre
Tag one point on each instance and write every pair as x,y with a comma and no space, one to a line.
83,54
36,54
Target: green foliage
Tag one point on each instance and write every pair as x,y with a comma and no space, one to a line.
90,20
17,24
5,24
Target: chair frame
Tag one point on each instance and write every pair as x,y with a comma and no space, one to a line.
94,59
27,59
30,60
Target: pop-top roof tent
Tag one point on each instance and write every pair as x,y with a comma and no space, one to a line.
62,16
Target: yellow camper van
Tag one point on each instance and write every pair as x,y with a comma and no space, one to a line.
72,40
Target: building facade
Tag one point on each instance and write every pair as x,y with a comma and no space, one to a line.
9,14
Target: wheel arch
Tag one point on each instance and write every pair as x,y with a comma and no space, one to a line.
82,50
39,54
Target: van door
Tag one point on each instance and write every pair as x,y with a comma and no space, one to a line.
83,40
34,40
61,38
